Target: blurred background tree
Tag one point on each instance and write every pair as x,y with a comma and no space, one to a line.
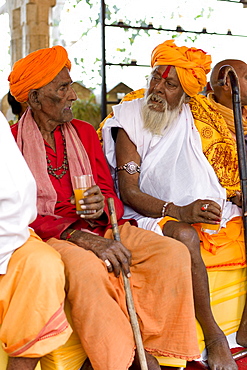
87,110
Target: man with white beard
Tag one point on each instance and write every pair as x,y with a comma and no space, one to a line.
167,151
157,114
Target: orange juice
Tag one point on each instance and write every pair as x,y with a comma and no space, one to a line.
79,194
213,229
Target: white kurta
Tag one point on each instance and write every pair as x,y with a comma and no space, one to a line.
17,196
173,166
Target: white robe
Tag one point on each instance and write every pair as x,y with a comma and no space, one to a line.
173,166
17,196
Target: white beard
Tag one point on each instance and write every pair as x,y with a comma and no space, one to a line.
156,122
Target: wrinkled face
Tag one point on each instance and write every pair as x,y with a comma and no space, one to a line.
167,87
56,98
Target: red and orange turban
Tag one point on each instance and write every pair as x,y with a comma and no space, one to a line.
37,70
191,64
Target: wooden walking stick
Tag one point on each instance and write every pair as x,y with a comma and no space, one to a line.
241,150
129,298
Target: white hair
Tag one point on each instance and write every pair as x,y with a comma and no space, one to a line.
156,121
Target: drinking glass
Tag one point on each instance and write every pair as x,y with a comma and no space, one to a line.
81,184
213,228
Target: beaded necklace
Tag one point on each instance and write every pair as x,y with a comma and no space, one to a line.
51,170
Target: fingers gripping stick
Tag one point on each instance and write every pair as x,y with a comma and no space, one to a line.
129,298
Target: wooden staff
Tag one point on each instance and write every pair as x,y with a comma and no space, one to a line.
129,298
241,150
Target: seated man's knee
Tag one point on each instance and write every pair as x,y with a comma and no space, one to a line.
79,263
183,232
93,268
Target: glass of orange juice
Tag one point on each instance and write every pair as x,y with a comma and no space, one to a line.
213,228
81,184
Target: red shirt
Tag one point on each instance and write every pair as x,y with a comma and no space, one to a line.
49,226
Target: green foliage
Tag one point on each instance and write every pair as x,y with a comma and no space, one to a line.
191,38
87,110
124,51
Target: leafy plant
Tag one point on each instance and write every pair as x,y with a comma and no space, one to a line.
121,50
87,110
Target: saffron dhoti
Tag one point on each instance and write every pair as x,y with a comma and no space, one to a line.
33,322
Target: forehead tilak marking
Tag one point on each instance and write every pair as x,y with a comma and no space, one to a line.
166,72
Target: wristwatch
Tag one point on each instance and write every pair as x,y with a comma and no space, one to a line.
130,167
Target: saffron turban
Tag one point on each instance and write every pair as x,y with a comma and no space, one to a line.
192,65
36,70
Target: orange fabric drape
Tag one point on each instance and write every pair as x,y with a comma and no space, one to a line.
35,299
168,328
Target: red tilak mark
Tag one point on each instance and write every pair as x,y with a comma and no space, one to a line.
165,74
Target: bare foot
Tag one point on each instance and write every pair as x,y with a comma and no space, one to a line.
241,336
152,363
219,355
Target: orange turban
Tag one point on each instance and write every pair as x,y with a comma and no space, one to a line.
191,64
36,70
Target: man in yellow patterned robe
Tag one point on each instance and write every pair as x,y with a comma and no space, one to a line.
173,154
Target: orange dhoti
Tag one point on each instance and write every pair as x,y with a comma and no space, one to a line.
162,291
225,250
32,319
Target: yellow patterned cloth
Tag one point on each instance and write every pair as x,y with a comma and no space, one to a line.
217,142
227,114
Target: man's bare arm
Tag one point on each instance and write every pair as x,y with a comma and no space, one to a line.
129,184
148,205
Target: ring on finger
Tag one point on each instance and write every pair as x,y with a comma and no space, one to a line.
108,263
89,211
204,207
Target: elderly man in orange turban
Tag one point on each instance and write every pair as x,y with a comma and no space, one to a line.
56,148
166,156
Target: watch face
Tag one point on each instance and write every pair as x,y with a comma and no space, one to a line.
131,167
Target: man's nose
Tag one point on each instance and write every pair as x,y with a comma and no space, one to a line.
72,94
159,86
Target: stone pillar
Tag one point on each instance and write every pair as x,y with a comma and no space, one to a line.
29,26
16,34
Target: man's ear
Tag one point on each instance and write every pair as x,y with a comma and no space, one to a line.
33,98
227,85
